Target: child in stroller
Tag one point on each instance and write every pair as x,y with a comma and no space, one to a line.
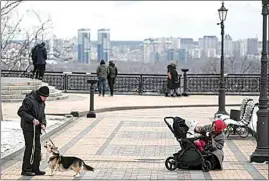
189,157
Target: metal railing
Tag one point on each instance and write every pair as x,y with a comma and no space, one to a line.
197,84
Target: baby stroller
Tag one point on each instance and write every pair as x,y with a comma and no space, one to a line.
189,156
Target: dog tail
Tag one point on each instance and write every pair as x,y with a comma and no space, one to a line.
87,167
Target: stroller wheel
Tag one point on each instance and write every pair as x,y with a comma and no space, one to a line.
206,166
171,164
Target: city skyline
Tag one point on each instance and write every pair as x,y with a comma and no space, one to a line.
129,20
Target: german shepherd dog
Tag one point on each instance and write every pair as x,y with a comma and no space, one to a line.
64,163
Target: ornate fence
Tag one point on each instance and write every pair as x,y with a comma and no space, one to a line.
196,84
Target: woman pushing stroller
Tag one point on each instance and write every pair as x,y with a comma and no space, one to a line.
201,149
213,142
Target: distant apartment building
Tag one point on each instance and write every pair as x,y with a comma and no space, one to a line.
175,43
170,55
84,45
240,48
148,49
182,55
186,43
228,45
103,45
252,46
160,49
209,45
195,53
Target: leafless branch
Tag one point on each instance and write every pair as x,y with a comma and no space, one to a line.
9,6
22,52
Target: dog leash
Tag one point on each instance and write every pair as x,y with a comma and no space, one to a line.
33,147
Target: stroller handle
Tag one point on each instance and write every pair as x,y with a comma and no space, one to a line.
167,123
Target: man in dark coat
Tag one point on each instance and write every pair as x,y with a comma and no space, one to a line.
34,61
33,120
113,72
41,57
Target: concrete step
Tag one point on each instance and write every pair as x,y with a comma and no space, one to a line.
15,81
22,87
18,87
49,99
14,89
23,91
20,96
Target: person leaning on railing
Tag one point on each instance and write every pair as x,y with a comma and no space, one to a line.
102,72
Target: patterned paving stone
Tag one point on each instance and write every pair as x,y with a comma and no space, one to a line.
150,150
143,135
128,145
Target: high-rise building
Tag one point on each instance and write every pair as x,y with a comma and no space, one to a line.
228,45
209,46
148,50
240,48
84,45
252,46
103,47
186,43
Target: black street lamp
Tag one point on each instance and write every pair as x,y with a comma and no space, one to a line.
261,153
222,15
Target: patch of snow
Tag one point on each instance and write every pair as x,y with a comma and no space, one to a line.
12,137
264,163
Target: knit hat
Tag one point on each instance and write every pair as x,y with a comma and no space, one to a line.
219,126
43,91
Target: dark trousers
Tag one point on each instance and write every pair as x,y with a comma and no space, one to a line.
26,165
35,73
102,85
41,70
111,82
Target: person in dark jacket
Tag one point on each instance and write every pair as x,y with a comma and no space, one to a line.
173,82
102,72
34,61
112,74
167,92
41,57
33,120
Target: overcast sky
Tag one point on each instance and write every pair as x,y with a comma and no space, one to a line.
132,20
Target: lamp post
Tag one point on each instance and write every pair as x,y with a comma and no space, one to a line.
222,15
261,153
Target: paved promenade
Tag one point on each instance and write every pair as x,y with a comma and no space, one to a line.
126,145
80,102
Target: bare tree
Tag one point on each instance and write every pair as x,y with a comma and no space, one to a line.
6,9
233,65
19,56
210,66
63,50
16,53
